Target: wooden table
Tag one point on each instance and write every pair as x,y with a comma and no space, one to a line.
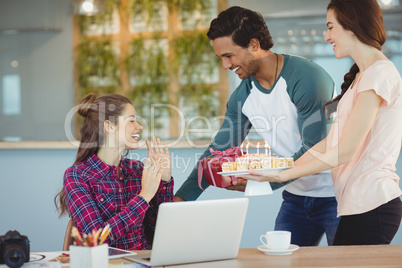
335,256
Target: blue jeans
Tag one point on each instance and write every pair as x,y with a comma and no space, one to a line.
308,218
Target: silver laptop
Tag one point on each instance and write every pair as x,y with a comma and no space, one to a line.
196,231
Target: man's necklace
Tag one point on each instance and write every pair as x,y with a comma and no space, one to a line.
276,69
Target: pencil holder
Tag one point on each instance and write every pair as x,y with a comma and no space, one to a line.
89,257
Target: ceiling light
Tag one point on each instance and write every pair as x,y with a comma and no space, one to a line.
87,6
386,2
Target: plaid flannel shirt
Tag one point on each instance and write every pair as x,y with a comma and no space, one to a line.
96,196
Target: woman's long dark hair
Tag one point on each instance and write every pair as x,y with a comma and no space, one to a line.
364,19
95,110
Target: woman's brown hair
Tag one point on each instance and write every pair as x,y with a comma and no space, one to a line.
364,19
95,110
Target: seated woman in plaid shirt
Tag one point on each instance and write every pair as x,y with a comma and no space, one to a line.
102,187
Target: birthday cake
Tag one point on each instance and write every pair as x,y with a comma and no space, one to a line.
218,169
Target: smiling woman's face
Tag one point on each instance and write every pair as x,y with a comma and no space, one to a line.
342,41
128,129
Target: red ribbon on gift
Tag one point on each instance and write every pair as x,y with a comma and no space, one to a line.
219,154
228,152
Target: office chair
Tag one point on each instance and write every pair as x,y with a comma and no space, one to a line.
68,239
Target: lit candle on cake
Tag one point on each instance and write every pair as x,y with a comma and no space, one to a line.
241,148
267,147
248,156
258,148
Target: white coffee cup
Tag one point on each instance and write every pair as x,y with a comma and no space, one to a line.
276,240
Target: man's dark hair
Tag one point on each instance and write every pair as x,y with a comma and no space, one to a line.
243,25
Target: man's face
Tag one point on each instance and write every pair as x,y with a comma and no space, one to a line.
236,58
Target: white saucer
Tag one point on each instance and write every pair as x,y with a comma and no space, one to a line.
268,251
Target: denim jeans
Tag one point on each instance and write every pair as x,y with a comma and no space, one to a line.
308,218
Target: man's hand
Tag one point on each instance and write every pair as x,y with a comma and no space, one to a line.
239,185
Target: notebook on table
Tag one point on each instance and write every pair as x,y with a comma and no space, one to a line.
196,231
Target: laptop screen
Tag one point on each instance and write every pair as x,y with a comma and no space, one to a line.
196,231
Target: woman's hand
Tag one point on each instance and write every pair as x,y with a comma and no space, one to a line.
160,151
265,175
151,178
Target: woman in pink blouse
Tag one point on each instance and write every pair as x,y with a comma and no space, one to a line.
102,187
364,142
